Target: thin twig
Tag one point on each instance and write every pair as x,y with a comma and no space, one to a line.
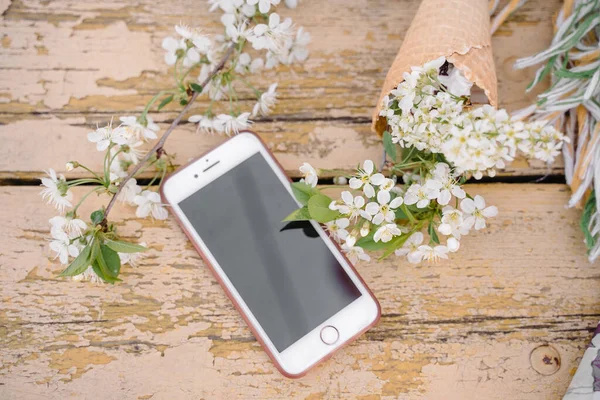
158,146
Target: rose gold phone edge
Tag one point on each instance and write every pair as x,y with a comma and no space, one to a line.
230,295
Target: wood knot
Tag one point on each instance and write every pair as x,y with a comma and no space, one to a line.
545,359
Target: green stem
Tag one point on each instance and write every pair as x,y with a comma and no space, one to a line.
91,172
83,182
257,92
115,156
85,197
142,170
176,74
107,166
161,172
152,101
190,70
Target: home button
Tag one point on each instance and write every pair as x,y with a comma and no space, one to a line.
329,335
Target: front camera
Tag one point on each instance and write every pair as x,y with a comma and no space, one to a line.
195,175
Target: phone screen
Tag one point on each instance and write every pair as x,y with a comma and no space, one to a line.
286,274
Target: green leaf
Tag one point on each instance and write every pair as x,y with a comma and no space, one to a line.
389,146
106,278
588,210
107,263
303,192
541,73
368,243
407,213
165,101
433,234
111,259
318,207
183,102
79,264
97,216
300,214
124,247
195,87
400,214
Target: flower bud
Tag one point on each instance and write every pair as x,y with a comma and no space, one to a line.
364,230
340,180
71,165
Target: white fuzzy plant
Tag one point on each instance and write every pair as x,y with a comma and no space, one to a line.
254,37
572,104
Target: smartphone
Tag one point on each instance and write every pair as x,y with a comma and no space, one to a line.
295,289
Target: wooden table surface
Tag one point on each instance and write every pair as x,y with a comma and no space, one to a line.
476,327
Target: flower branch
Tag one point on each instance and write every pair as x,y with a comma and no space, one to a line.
157,149
93,250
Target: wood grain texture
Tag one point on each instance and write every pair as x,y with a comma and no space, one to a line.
66,66
460,329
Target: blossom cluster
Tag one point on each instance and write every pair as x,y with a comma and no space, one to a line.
436,140
202,64
275,42
377,214
431,111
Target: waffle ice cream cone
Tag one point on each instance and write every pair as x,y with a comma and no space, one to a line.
456,29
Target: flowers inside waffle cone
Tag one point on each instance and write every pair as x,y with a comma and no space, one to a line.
459,31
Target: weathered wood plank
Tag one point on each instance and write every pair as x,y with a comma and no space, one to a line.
460,329
66,67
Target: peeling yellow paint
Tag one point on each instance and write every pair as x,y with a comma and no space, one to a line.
77,361
6,40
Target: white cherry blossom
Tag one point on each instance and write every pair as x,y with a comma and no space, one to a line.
407,92
266,102
433,254
246,64
205,124
366,179
63,249
381,210
56,191
420,195
446,184
453,223
201,42
350,206
230,125
410,249
337,228
133,151
478,211
263,5
174,47
430,67
456,83
130,191
66,227
453,244
355,253
273,36
310,176
386,233
147,132
149,202
104,137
